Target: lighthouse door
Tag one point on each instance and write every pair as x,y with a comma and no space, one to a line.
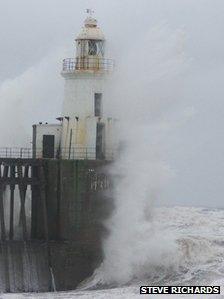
100,141
48,146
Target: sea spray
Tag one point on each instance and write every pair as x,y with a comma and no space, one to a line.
139,93
134,247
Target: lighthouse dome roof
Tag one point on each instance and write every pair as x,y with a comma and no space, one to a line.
90,30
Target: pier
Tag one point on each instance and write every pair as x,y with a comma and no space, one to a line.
51,214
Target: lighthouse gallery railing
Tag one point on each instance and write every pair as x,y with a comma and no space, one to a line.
87,63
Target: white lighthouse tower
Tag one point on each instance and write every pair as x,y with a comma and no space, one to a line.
84,132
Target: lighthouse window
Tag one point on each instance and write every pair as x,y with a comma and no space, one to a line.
101,48
92,47
98,104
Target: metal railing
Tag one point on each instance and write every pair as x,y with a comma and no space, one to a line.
70,65
73,153
88,153
16,152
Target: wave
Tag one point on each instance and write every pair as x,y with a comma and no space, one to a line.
196,257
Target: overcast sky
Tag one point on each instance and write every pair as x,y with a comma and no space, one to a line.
31,30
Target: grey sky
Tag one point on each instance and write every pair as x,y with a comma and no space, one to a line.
30,30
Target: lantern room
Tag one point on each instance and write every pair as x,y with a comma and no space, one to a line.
90,50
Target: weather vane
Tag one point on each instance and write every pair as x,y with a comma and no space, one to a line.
90,11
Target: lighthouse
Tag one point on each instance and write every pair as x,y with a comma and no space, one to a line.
83,131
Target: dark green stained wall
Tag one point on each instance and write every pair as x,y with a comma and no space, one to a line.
52,168
76,199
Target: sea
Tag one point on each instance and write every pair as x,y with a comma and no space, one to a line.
198,234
